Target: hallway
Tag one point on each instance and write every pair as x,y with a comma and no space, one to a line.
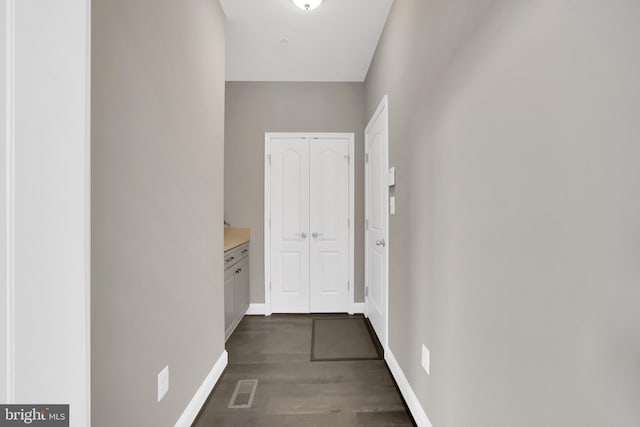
292,390
173,183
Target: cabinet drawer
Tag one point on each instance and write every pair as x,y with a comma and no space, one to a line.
235,255
243,250
231,257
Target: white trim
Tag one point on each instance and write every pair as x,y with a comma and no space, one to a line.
10,143
267,224
357,308
193,408
384,106
352,222
384,103
255,310
267,208
416,409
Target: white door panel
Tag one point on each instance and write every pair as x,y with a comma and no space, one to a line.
377,212
329,227
376,167
290,225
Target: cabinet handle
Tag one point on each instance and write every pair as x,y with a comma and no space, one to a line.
231,258
238,271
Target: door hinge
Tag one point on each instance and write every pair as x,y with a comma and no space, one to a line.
348,222
366,291
269,158
366,158
366,224
347,158
269,223
348,286
269,285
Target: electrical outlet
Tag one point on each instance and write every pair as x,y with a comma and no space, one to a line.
163,383
426,359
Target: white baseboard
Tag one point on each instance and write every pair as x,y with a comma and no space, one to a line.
193,408
357,308
256,309
419,415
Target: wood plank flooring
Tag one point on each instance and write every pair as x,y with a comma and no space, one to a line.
292,390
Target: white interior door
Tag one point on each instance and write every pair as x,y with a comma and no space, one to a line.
289,225
377,221
329,225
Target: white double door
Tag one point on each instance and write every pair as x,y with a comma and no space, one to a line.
309,207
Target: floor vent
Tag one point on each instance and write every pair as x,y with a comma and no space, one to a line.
243,394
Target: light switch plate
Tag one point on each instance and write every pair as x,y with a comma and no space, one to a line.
163,383
391,180
392,205
426,359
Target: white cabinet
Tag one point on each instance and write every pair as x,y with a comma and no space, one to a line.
236,287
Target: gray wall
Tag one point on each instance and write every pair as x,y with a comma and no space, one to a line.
253,108
514,253
157,190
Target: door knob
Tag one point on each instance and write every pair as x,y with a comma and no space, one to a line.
303,235
316,235
381,242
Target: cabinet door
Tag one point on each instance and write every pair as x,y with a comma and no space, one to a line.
242,287
229,299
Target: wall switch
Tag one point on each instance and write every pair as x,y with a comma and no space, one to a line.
426,359
163,383
392,205
391,178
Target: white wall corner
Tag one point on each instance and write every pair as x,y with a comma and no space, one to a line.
193,408
416,409
255,310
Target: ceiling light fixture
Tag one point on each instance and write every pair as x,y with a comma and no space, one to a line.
307,4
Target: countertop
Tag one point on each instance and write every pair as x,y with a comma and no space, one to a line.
235,236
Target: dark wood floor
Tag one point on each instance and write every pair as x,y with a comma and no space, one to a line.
292,390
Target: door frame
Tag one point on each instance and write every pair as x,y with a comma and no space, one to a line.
267,208
383,108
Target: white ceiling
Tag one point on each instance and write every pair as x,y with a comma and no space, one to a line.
334,42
